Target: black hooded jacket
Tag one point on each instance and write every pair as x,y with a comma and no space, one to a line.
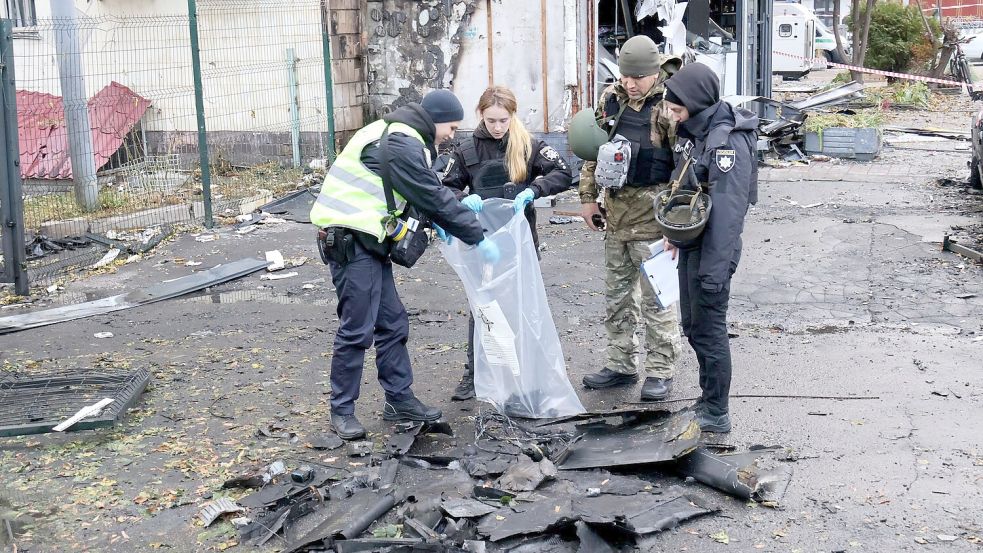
412,178
723,143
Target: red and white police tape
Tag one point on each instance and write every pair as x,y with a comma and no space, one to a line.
904,76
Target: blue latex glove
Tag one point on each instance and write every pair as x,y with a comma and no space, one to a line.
442,234
489,251
473,202
523,199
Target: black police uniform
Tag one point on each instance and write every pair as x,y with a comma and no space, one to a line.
369,308
478,167
722,141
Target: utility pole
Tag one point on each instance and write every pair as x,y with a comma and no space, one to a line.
71,75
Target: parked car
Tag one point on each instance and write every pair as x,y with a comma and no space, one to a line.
973,50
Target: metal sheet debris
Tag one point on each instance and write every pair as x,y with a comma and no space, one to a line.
158,292
632,442
641,514
466,508
211,511
293,207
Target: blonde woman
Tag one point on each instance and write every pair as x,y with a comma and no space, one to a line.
502,160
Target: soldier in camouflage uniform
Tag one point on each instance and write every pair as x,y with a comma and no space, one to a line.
634,109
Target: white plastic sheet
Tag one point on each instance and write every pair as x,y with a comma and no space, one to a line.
519,364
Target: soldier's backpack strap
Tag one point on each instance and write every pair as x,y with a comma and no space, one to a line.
612,122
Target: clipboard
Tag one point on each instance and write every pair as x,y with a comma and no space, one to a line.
661,273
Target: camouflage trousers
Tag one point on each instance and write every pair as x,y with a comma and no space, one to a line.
628,300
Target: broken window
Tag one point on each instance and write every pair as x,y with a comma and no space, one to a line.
21,12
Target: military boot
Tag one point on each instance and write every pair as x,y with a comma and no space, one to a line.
656,389
347,426
465,388
606,378
713,423
409,410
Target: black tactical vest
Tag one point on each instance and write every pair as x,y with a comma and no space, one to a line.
490,178
649,166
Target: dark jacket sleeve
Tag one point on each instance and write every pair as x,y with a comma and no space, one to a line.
458,177
730,191
550,172
413,179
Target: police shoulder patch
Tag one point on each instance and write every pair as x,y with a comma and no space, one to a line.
726,159
549,153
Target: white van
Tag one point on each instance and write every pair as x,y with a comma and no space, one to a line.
793,42
825,41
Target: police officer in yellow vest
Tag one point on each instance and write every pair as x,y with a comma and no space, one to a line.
350,213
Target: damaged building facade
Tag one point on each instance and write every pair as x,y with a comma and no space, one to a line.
556,55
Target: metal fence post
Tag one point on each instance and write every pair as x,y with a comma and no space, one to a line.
206,177
328,81
11,198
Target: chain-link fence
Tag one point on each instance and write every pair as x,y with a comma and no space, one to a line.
110,135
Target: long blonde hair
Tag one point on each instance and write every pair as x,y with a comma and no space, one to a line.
519,149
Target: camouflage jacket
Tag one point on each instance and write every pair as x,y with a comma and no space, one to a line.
629,211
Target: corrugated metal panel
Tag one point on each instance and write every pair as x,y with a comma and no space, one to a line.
43,137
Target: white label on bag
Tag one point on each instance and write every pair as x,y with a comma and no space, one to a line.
497,337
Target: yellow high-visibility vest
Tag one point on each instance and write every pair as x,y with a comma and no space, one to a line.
351,195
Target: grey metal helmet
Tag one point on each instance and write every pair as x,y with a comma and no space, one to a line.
682,215
584,136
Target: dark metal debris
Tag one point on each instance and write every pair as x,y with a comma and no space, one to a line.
466,508
326,441
751,475
293,207
632,442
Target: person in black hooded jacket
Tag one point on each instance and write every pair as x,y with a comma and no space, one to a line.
722,143
502,160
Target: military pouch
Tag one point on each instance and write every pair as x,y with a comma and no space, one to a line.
409,236
613,161
335,244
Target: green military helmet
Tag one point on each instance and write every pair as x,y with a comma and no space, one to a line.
682,215
584,136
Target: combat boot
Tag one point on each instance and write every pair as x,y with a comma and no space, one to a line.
465,388
606,378
409,410
656,389
347,426
713,423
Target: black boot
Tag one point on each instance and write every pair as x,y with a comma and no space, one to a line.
465,388
656,389
347,426
606,378
713,423
409,410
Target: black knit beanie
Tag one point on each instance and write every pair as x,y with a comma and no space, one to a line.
443,106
